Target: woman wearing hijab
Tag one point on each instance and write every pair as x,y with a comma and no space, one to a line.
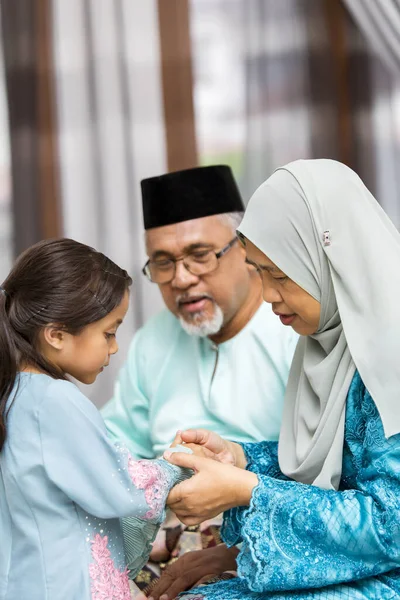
318,518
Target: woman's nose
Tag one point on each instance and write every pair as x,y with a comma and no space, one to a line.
271,294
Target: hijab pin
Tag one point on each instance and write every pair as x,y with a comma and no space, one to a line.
326,238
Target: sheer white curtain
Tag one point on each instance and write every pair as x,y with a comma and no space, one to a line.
6,230
275,91
257,102
279,106
111,135
380,22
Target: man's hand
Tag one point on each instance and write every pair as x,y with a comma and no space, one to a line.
214,488
194,568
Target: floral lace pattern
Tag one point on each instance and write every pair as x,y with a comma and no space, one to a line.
262,459
147,475
301,542
238,590
107,582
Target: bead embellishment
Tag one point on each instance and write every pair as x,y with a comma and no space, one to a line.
326,238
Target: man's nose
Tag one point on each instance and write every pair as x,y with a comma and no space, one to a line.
183,278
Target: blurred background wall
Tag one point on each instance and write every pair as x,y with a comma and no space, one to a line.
97,94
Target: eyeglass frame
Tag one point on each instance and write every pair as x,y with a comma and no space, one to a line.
218,255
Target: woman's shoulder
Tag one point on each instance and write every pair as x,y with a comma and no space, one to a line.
358,393
356,384
361,408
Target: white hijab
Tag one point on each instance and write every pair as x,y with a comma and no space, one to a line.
316,220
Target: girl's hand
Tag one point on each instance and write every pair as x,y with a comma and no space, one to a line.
177,440
214,488
197,449
215,446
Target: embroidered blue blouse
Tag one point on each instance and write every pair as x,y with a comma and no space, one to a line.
301,542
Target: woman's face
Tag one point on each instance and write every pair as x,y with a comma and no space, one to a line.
293,305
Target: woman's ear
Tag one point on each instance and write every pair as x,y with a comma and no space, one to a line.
54,335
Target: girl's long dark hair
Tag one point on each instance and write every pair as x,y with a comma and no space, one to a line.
55,281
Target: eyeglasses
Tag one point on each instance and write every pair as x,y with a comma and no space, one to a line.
198,262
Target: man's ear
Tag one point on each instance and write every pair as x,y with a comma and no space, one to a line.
242,250
250,268
54,335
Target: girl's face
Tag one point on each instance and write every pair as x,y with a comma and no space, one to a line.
294,306
86,354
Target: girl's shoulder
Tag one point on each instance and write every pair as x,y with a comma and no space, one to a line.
43,390
41,384
60,403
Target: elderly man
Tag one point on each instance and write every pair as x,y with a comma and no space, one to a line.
216,358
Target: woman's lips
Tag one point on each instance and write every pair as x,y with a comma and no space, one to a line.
286,319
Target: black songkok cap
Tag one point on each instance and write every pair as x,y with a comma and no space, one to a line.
189,194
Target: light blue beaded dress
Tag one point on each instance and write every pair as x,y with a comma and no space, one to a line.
64,486
300,542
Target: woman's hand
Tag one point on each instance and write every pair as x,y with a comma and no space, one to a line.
211,445
214,488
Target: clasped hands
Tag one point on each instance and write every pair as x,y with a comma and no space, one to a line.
220,481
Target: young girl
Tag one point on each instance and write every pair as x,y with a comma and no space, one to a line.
63,485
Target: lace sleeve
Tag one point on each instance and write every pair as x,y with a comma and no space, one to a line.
298,536
262,459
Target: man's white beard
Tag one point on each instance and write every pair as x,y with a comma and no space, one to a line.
204,327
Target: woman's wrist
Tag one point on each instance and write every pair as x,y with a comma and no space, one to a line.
239,455
244,487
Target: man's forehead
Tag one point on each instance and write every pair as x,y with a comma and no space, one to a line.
186,233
